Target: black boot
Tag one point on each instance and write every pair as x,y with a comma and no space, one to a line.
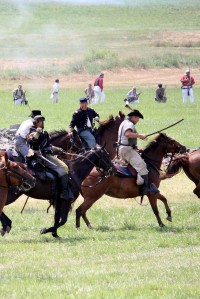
66,192
148,189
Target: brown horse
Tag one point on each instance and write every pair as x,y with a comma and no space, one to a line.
106,134
79,169
13,174
126,187
190,163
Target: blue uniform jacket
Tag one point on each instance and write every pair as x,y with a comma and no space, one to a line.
80,117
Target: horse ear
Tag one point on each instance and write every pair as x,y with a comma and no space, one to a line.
6,158
121,114
103,146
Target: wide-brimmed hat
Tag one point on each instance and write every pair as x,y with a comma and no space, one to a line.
38,118
135,112
35,112
83,100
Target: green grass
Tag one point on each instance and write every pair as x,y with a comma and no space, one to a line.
127,255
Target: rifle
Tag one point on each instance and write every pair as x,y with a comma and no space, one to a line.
188,87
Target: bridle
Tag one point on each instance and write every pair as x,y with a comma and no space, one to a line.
103,159
22,177
169,142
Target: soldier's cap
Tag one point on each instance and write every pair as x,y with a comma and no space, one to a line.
83,100
101,75
35,112
187,71
38,118
135,112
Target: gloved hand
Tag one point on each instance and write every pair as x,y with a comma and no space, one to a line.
39,130
30,153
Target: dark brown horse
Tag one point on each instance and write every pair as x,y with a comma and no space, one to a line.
13,174
126,187
106,134
190,163
79,168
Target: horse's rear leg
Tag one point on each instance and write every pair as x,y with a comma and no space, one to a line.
153,203
196,191
168,211
81,212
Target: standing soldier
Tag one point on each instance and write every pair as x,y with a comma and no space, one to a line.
19,95
98,89
55,91
187,87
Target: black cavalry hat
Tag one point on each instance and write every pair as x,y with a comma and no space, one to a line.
35,112
83,100
135,112
38,118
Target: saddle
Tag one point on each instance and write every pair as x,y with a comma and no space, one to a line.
36,168
124,169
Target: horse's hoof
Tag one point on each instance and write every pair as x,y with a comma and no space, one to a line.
90,226
3,232
169,219
43,231
161,225
8,229
55,235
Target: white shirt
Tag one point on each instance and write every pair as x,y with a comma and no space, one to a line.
24,128
122,138
55,88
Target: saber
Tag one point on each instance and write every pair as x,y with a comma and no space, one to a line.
165,128
45,159
127,106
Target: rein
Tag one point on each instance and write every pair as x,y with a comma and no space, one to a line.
103,175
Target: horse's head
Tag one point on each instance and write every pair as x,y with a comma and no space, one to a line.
169,144
108,132
16,174
104,161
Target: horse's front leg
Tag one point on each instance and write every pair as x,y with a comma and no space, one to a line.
168,211
6,224
61,215
153,203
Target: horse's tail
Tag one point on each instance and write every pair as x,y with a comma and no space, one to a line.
176,165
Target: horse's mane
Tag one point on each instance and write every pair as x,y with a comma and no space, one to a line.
153,144
108,122
57,133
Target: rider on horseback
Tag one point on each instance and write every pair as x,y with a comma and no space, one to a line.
127,141
39,143
83,119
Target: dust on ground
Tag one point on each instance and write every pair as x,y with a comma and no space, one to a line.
115,78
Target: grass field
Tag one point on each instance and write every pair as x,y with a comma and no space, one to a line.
126,255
